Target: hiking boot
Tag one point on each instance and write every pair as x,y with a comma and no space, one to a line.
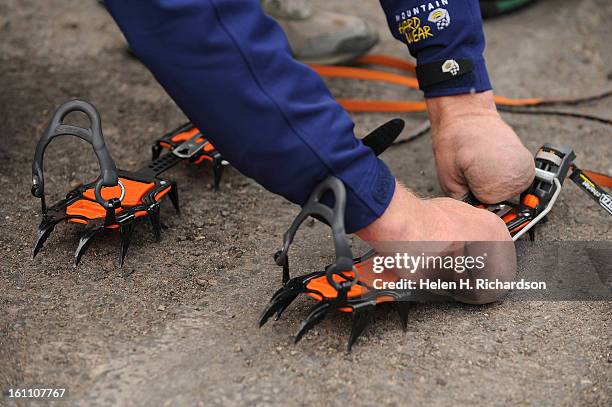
321,37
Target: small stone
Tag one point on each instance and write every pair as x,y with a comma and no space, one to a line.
181,238
224,213
237,349
440,381
161,308
202,282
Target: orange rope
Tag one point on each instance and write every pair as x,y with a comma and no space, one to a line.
362,105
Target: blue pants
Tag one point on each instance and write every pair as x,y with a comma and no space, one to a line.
229,68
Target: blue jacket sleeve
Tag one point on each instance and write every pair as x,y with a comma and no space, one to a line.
446,38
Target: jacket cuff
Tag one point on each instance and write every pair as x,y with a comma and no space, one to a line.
453,76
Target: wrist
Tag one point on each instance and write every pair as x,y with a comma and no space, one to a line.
447,110
399,222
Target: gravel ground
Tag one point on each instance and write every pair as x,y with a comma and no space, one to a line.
177,324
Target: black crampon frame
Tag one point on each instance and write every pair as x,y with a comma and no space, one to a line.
128,195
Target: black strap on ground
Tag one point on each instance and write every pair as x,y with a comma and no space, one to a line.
587,184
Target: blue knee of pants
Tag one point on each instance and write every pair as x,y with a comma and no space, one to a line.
229,68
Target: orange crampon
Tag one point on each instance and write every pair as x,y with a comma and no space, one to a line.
117,198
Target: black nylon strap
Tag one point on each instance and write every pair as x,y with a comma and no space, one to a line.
592,189
442,71
152,170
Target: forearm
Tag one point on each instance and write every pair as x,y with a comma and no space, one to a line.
229,68
446,38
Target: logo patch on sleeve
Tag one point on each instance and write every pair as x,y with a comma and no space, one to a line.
450,66
440,17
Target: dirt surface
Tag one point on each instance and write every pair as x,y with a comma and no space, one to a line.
177,324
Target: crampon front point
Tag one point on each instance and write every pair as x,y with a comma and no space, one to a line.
117,198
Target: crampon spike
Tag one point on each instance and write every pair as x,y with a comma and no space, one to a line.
284,306
317,315
126,231
532,235
278,305
283,297
403,307
174,198
154,218
86,238
44,231
361,319
217,173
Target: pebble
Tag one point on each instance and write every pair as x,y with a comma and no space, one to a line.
161,308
